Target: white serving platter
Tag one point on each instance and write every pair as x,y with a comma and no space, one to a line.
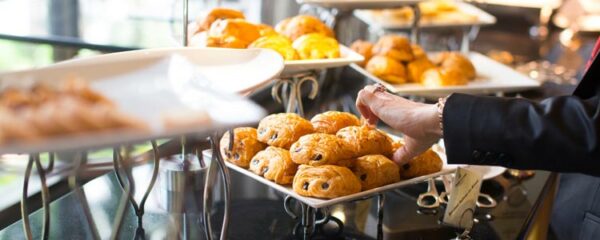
190,84
375,19
492,77
358,4
320,203
347,57
553,4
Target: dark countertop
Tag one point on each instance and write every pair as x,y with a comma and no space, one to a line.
257,212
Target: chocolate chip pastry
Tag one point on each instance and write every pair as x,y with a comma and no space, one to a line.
320,149
245,146
274,164
327,181
375,171
283,129
364,140
427,163
332,121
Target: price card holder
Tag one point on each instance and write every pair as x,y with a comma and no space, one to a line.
461,207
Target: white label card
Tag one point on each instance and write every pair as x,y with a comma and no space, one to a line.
463,199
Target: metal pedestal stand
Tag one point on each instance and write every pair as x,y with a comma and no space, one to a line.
35,158
288,90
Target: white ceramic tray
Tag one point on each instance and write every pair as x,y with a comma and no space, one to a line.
553,4
347,57
376,20
358,4
320,203
492,77
191,84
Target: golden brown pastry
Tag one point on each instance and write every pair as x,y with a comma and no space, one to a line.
279,43
364,48
395,47
387,69
245,146
326,181
364,140
438,76
283,129
300,25
274,164
417,67
265,30
66,109
454,69
418,51
455,60
320,149
203,23
427,163
375,171
331,122
316,46
232,33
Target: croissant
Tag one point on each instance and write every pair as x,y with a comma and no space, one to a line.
332,121
245,146
387,69
204,22
375,171
394,47
300,25
278,43
232,33
283,129
363,48
320,149
364,140
316,46
274,164
326,181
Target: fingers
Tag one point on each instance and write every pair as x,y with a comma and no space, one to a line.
362,104
403,155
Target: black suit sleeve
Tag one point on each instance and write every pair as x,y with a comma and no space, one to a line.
558,134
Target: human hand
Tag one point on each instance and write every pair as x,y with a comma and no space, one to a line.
419,122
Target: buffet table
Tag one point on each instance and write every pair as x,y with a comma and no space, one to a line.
257,213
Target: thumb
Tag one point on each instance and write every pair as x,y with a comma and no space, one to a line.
404,155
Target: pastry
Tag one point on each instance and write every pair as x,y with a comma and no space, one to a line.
316,46
245,146
332,121
265,30
454,60
31,114
300,25
232,33
364,48
394,47
375,171
453,69
417,67
203,23
364,140
418,51
435,77
283,129
427,163
387,69
278,43
326,181
274,164
320,149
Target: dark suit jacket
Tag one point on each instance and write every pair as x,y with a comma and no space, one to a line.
560,134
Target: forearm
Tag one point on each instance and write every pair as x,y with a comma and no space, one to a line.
559,134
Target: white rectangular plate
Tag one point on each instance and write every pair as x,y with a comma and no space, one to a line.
553,4
320,203
371,18
150,84
492,77
347,57
358,4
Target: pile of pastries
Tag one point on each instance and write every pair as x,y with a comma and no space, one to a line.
395,60
70,108
296,38
330,156
432,12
